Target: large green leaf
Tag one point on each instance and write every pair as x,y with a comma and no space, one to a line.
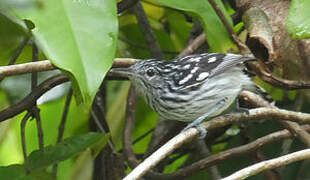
78,36
298,20
217,36
64,150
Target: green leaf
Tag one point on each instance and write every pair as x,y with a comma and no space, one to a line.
19,172
69,147
217,36
78,36
298,20
116,113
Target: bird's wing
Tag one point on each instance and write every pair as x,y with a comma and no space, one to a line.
193,70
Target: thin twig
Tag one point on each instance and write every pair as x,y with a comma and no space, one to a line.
147,31
35,110
23,135
241,46
97,121
19,50
194,45
128,129
269,164
61,127
143,136
34,75
17,53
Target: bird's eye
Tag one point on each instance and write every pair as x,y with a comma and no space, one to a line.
150,72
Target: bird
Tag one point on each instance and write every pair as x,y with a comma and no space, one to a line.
190,88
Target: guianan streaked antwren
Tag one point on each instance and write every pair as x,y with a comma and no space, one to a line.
191,88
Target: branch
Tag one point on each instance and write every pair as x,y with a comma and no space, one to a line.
241,46
26,68
124,5
46,65
291,126
35,110
31,99
23,134
188,135
193,46
265,75
147,31
270,164
19,49
233,152
62,124
128,129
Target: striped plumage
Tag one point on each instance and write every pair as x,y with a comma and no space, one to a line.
184,89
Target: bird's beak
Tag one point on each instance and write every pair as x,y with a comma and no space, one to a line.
122,72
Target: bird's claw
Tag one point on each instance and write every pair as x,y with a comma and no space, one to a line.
201,129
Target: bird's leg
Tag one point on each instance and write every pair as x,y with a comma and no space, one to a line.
196,122
241,109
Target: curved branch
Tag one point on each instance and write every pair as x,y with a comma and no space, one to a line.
188,135
31,99
233,152
270,164
262,71
293,127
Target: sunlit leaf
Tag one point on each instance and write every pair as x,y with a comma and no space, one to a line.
78,36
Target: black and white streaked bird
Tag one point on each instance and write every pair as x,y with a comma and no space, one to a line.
191,88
